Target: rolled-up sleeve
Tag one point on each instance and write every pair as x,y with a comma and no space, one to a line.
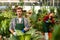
26,23
12,25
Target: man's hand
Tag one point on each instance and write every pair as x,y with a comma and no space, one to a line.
14,33
26,29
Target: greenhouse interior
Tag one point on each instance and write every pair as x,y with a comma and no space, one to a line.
29,19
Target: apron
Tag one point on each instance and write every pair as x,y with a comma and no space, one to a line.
46,27
20,26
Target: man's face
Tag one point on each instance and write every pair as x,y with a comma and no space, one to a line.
51,15
19,12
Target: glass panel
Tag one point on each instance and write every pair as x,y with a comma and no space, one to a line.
58,4
55,4
6,4
48,3
13,4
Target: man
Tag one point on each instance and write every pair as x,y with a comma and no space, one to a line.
19,23
48,20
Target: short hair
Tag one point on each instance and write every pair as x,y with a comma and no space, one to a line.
50,13
19,8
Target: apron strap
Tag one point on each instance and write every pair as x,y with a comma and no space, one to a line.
21,21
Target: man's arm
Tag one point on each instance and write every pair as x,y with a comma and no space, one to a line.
12,25
53,21
26,23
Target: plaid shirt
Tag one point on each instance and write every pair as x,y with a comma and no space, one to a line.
13,23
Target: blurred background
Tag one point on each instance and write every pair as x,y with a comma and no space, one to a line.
34,11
